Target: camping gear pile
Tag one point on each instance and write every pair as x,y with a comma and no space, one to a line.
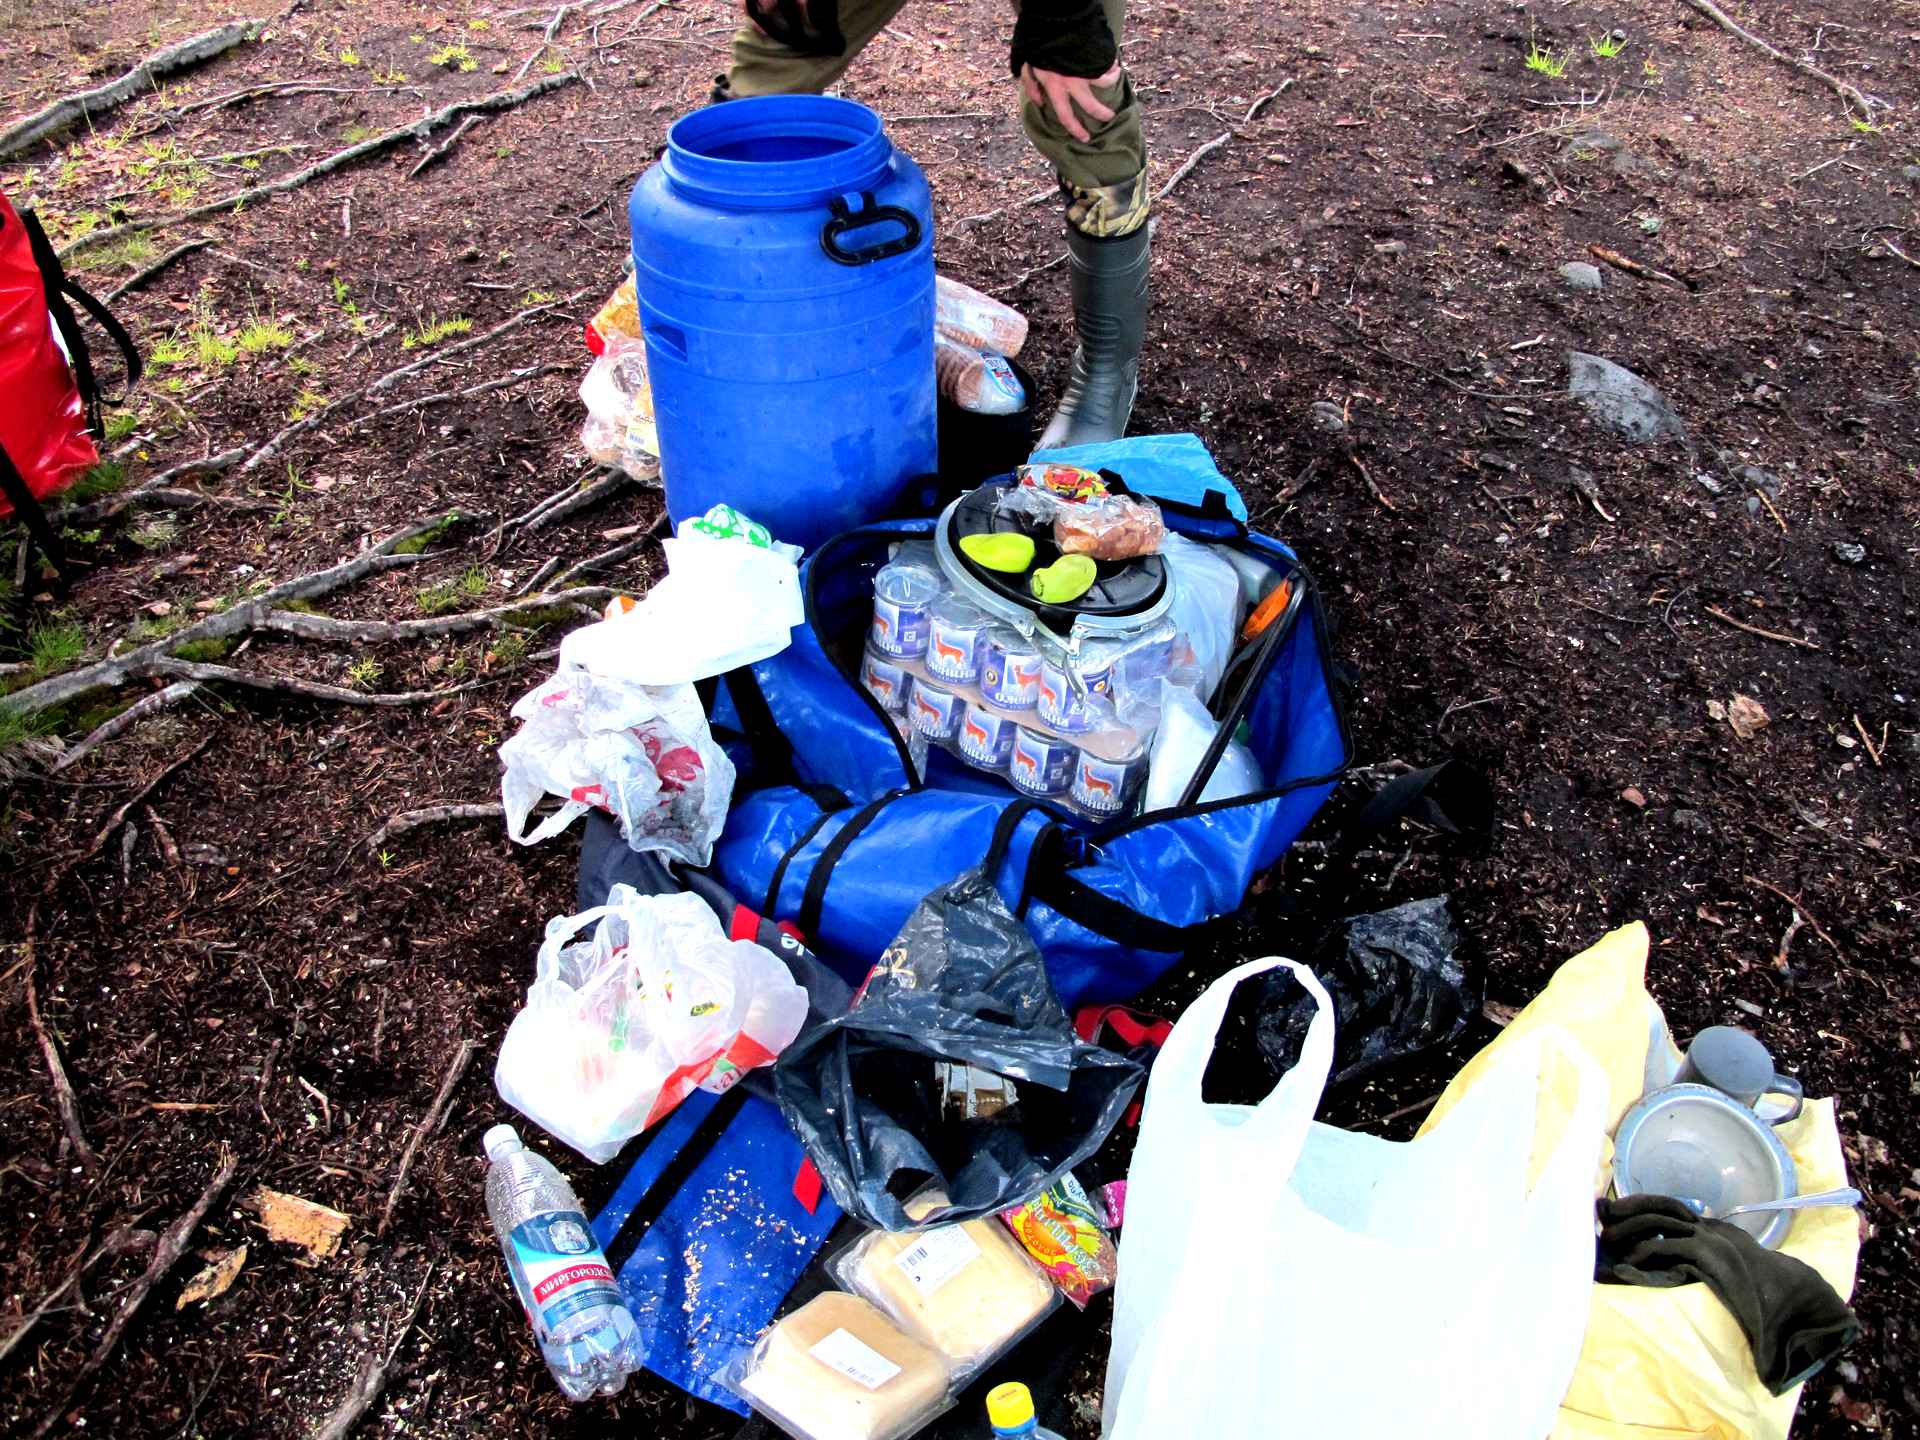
895,793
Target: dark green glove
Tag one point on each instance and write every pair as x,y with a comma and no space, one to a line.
1791,1316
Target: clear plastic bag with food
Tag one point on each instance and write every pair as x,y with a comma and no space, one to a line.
978,381
965,316
619,401
966,1289
837,1369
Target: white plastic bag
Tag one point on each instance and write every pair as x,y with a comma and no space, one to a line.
724,603
1282,1277
1180,744
619,428
621,1027
1206,604
642,753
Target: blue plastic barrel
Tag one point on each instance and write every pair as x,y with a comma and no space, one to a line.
783,257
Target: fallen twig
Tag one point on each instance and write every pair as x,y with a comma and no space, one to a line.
1253,110
445,148
371,1382
171,1247
530,372
967,221
119,816
64,1099
142,277
1627,265
430,815
1873,751
1722,615
589,495
1899,254
442,352
114,504
615,555
308,689
418,130
126,1238
119,725
225,624
429,1124
74,108
1772,509
309,626
1372,488
1192,163
1799,909
285,89
1849,95
539,577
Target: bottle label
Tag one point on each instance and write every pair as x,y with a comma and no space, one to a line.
564,1271
855,1359
937,1257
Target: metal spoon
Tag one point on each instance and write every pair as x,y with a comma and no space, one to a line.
1846,1195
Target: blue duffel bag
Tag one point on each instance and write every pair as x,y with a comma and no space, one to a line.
832,830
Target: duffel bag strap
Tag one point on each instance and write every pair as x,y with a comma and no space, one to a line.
815,898
59,288
29,512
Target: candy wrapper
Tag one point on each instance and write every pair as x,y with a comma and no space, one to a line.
1061,1228
1087,517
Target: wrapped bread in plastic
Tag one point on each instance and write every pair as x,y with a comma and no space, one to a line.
837,1369
1113,527
968,1290
964,315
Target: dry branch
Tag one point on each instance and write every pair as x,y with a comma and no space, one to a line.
1193,162
166,1254
371,1382
227,624
114,504
445,148
429,1124
1723,616
119,725
513,377
63,1096
442,352
75,108
418,130
308,689
1627,265
309,626
286,88
431,815
119,816
126,1238
1253,110
615,555
1849,95
589,495
136,281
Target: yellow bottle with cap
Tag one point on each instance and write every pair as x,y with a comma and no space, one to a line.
1010,1413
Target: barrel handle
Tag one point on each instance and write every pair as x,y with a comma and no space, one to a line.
846,218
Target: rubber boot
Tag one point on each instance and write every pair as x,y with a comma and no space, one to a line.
1110,314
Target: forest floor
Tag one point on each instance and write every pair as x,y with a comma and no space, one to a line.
227,969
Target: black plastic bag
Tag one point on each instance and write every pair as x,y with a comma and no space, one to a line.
962,982
1398,988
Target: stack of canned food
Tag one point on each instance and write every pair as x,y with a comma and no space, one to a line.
966,681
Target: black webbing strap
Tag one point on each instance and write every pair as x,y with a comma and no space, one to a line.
1004,829
816,893
686,1160
771,906
59,288
14,486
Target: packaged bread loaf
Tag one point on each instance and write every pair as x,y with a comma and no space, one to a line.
837,1369
968,1290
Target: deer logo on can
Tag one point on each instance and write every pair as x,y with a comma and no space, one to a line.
986,739
1009,672
885,681
935,712
1040,765
1100,786
1064,710
953,648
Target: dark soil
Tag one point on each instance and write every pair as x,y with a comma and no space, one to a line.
1385,236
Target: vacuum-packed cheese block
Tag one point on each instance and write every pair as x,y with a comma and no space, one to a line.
968,1289
837,1369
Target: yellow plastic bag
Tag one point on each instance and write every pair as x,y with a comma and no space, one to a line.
1666,1363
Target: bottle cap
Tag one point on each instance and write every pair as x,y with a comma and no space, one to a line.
499,1138
1010,1407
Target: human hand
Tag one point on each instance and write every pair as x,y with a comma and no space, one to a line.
1066,94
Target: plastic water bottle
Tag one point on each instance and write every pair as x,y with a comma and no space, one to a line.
565,1285
1010,1413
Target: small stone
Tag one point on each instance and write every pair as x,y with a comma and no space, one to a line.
1390,247
1633,797
158,608
197,853
1708,483
1620,399
1911,173
1747,1007
1692,820
1716,709
208,605
1579,275
1327,416
1847,552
